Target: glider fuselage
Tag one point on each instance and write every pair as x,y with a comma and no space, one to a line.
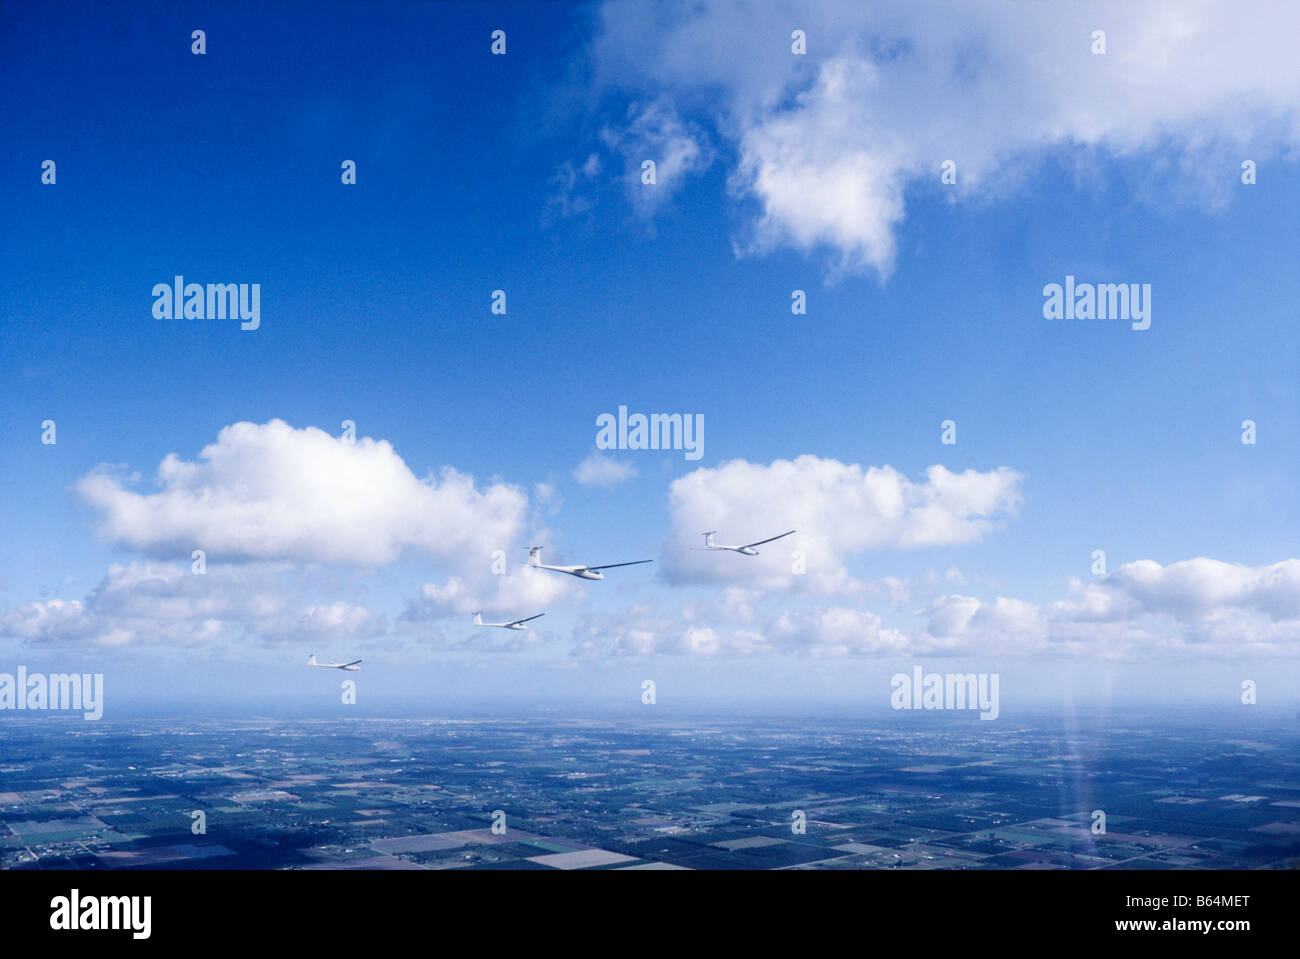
579,571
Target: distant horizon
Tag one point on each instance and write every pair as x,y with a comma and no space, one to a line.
1171,711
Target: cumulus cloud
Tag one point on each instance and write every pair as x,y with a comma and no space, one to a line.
1194,606
828,144
1143,612
598,470
522,591
642,630
838,510
1196,588
275,492
836,632
165,604
819,633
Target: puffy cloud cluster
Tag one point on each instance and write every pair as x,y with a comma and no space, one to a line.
828,144
838,510
522,591
274,492
166,604
1143,610
273,496
1194,606
641,630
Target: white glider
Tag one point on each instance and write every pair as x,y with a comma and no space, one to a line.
351,667
747,549
513,624
582,572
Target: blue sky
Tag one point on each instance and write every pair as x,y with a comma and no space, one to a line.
776,173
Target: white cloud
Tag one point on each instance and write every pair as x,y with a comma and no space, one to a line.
1198,605
824,632
836,632
337,619
641,630
598,470
274,492
829,143
838,510
165,604
654,131
823,179
523,591
1143,612
949,615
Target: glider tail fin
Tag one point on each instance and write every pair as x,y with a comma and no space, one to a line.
534,556
478,619
311,660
